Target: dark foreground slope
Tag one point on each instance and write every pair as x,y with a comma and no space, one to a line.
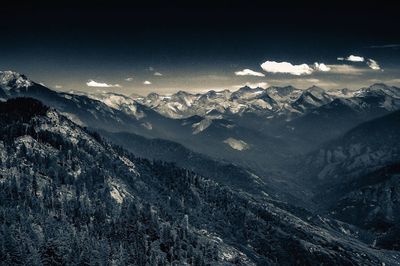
68,197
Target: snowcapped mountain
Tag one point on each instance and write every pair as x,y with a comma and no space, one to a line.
84,110
66,191
172,106
265,102
212,103
10,79
311,98
379,89
335,118
119,102
285,102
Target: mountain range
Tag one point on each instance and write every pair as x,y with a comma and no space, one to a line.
275,176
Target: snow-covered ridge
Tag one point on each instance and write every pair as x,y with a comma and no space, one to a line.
119,102
273,102
10,79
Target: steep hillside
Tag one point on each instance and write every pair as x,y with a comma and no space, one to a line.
218,170
363,149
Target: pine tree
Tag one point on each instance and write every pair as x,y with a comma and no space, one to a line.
51,254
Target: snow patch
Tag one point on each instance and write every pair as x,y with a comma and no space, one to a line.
130,164
115,194
202,125
237,144
147,125
118,190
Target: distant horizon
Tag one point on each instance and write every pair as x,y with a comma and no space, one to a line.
170,91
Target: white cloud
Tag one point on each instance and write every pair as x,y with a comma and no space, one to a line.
249,72
58,86
252,85
355,58
373,64
146,82
321,67
157,74
92,83
129,79
287,68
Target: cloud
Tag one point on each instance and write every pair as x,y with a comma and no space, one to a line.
355,58
151,68
146,82
157,74
252,85
373,64
129,79
352,58
305,69
92,83
287,68
249,72
58,86
321,67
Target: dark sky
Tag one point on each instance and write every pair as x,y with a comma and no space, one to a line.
197,45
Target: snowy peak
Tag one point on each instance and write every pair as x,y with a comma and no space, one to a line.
246,93
380,89
120,102
342,93
311,98
184,98
281,91
315,89
212,94
285,94
10,79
